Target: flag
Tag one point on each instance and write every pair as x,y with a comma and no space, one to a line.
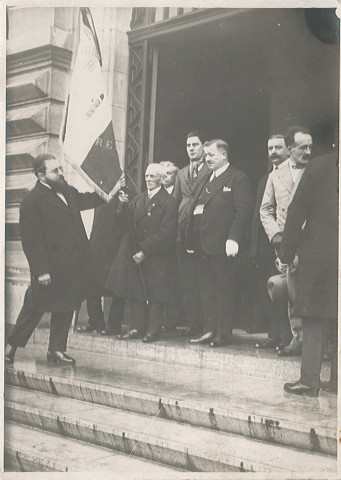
88,135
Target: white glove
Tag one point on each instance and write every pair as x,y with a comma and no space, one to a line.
231,248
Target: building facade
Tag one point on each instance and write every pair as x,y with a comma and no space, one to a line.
237,74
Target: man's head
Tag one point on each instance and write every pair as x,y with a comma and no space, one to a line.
216,154
194,146
299,143
154,175
277,149
49,170
170,173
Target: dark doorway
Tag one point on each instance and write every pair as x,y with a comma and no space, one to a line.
204,85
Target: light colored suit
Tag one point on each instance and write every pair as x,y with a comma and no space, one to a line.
279,192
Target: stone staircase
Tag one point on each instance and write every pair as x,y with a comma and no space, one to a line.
165,408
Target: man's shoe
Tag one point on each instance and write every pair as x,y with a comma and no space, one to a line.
87,329
219,342
289,352
298,388
268,343
130,335
60,357
150,337
206,338
9,357
329,386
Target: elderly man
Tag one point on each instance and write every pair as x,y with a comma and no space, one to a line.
186,186
216,233
144,267
280,188
263,255
311,230
59,256
170,175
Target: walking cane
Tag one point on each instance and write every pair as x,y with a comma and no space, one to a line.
131,229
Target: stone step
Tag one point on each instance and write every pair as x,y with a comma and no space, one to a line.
178,445
238,404
240,357
47,452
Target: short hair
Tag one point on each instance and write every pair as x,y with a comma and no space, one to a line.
277,135
291,132
160,169
195,133
38,162
170,165
221,144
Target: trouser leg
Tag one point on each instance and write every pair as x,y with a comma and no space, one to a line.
95,312
115,316
312,351
155,314
190,288
223,269
270,309
27,321
333,365
59,330
295,322
206,279
138,315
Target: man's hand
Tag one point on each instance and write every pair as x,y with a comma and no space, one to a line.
139,257
44,279
281,267
119,184
231,248
123,197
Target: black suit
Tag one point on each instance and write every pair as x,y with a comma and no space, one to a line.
55,242
263,255
227,204
311,230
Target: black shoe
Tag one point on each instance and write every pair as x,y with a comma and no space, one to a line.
150,337
298,388
329,386
88,329
289,352
268,343
219,342
130,335
9,357
60,357
106,333
206,338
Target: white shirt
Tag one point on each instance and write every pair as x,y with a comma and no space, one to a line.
153,192
295,172
170,189
60,195
218,172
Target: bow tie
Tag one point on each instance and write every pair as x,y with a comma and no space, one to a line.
297,167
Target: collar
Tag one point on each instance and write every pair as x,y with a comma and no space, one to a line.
281,165
220,170
151,193
293,165
60,195
170,189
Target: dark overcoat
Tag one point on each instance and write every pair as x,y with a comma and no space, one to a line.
155,226
55,242
311,230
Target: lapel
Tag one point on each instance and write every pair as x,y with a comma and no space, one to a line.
296,184
201,175
217,184
284,175
51,197
145,205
